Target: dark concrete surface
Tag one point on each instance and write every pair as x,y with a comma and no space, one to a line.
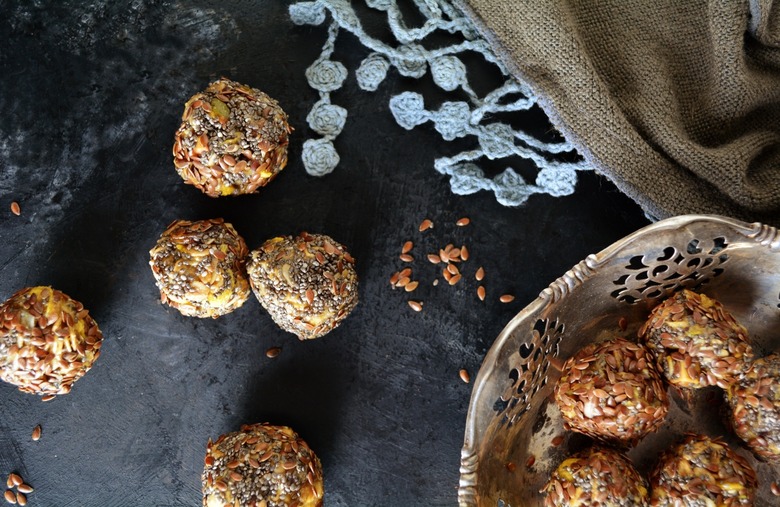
90,95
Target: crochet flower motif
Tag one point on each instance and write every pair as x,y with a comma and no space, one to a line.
478,116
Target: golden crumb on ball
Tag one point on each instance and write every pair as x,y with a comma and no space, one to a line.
702,471
199,267
307,283
754,400
261,466
232,139
598,476
47,341
612,391
696,341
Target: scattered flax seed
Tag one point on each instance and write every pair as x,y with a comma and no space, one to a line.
411,286
14,480
10,497
273,352
36,433
530,461
557,440
425,225
406,257
480,274
394,278
21,499
416,305
506,298
403,282
48,397
434,259
464,253
481,293
464,375
407,247
455,279
406,272
15,209
622,323
463,222
775,489
436,282
511,466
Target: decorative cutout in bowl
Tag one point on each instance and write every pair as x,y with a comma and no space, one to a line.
514,433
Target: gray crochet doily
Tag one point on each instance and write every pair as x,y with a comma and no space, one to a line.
453,119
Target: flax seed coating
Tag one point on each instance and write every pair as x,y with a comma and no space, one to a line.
261,466
307,283
611,391
47,341
199,267
596,477
696,342
702,472
232,139
755,407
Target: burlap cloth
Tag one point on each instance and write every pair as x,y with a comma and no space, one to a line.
676,101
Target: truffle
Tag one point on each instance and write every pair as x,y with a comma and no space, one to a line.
702,471
696,341
755,407
611,391
307,283
261,465
47,341
199,267
232,139
597,476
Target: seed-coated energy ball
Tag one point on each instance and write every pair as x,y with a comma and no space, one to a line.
47,341
307,283
696,341
611,391
702,471
199,267
261,466
232,139
598,476
755,407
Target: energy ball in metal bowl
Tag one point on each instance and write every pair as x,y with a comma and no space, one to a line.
261,465
611,391
597,476
199,267
702,471
47,341
232,139
307,283
755,407
696,341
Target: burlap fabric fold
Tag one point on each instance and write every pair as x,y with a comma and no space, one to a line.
676,101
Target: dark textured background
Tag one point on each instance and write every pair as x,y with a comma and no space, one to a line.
90,95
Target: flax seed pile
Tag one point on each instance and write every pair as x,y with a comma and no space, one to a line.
308,283
697,342
261,466
702,471
199,267
612,392
754,400
47,341
232,139
596,476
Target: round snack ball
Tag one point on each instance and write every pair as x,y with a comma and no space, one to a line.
199,267
611,391
702,471
307,283
598,476
232,139
47,341
755,407
696,341
261,465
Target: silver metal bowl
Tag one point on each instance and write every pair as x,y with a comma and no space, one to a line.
513,427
